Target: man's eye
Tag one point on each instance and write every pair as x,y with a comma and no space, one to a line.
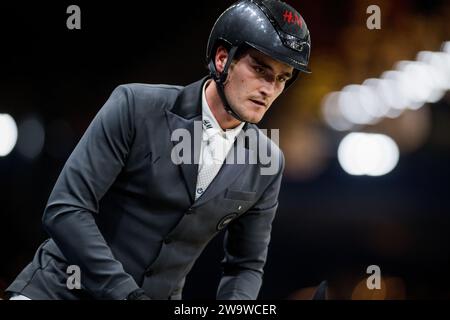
282,79
259,70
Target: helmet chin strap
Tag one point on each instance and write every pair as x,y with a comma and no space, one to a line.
220,81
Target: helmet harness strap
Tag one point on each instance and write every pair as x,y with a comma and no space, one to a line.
220,82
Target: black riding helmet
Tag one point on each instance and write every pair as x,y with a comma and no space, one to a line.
269,26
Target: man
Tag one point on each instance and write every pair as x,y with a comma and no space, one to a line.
131,217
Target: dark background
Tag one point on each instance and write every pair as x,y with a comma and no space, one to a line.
330,226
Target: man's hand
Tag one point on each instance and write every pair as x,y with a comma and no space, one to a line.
138,294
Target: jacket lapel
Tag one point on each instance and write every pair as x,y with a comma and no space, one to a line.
186,112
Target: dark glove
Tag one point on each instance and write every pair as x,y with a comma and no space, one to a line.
138,294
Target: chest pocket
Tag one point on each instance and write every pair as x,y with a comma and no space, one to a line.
238,202
240,195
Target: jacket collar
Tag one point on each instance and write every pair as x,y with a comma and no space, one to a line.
188,105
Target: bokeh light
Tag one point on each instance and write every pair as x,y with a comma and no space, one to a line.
31,137
8,134
368,154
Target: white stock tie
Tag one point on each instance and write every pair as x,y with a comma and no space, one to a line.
213,155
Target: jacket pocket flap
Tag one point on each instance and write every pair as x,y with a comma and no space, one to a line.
240,195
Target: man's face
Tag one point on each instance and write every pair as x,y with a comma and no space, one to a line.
254,82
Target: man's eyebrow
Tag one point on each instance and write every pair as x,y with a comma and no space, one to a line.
264,65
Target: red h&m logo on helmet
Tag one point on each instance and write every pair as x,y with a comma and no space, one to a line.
292,18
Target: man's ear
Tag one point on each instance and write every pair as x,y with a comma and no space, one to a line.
221,58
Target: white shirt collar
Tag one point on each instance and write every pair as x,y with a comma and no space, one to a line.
210,125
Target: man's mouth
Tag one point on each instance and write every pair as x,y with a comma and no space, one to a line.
260,103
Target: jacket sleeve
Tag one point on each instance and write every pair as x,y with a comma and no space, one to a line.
246,245
87,175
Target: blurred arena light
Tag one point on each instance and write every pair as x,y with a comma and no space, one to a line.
333,115
410,86
31,137
351,104
8,134
368,154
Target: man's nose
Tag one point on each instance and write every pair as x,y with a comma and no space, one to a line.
268,88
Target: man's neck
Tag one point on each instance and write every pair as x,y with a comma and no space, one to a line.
224,119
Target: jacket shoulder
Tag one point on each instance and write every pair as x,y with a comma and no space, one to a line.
262,135
148,100
149,92
269,145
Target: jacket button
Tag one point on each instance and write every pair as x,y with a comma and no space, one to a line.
167,240
148,272
190,211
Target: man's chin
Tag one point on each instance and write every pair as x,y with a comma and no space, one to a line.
251,114
252,118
